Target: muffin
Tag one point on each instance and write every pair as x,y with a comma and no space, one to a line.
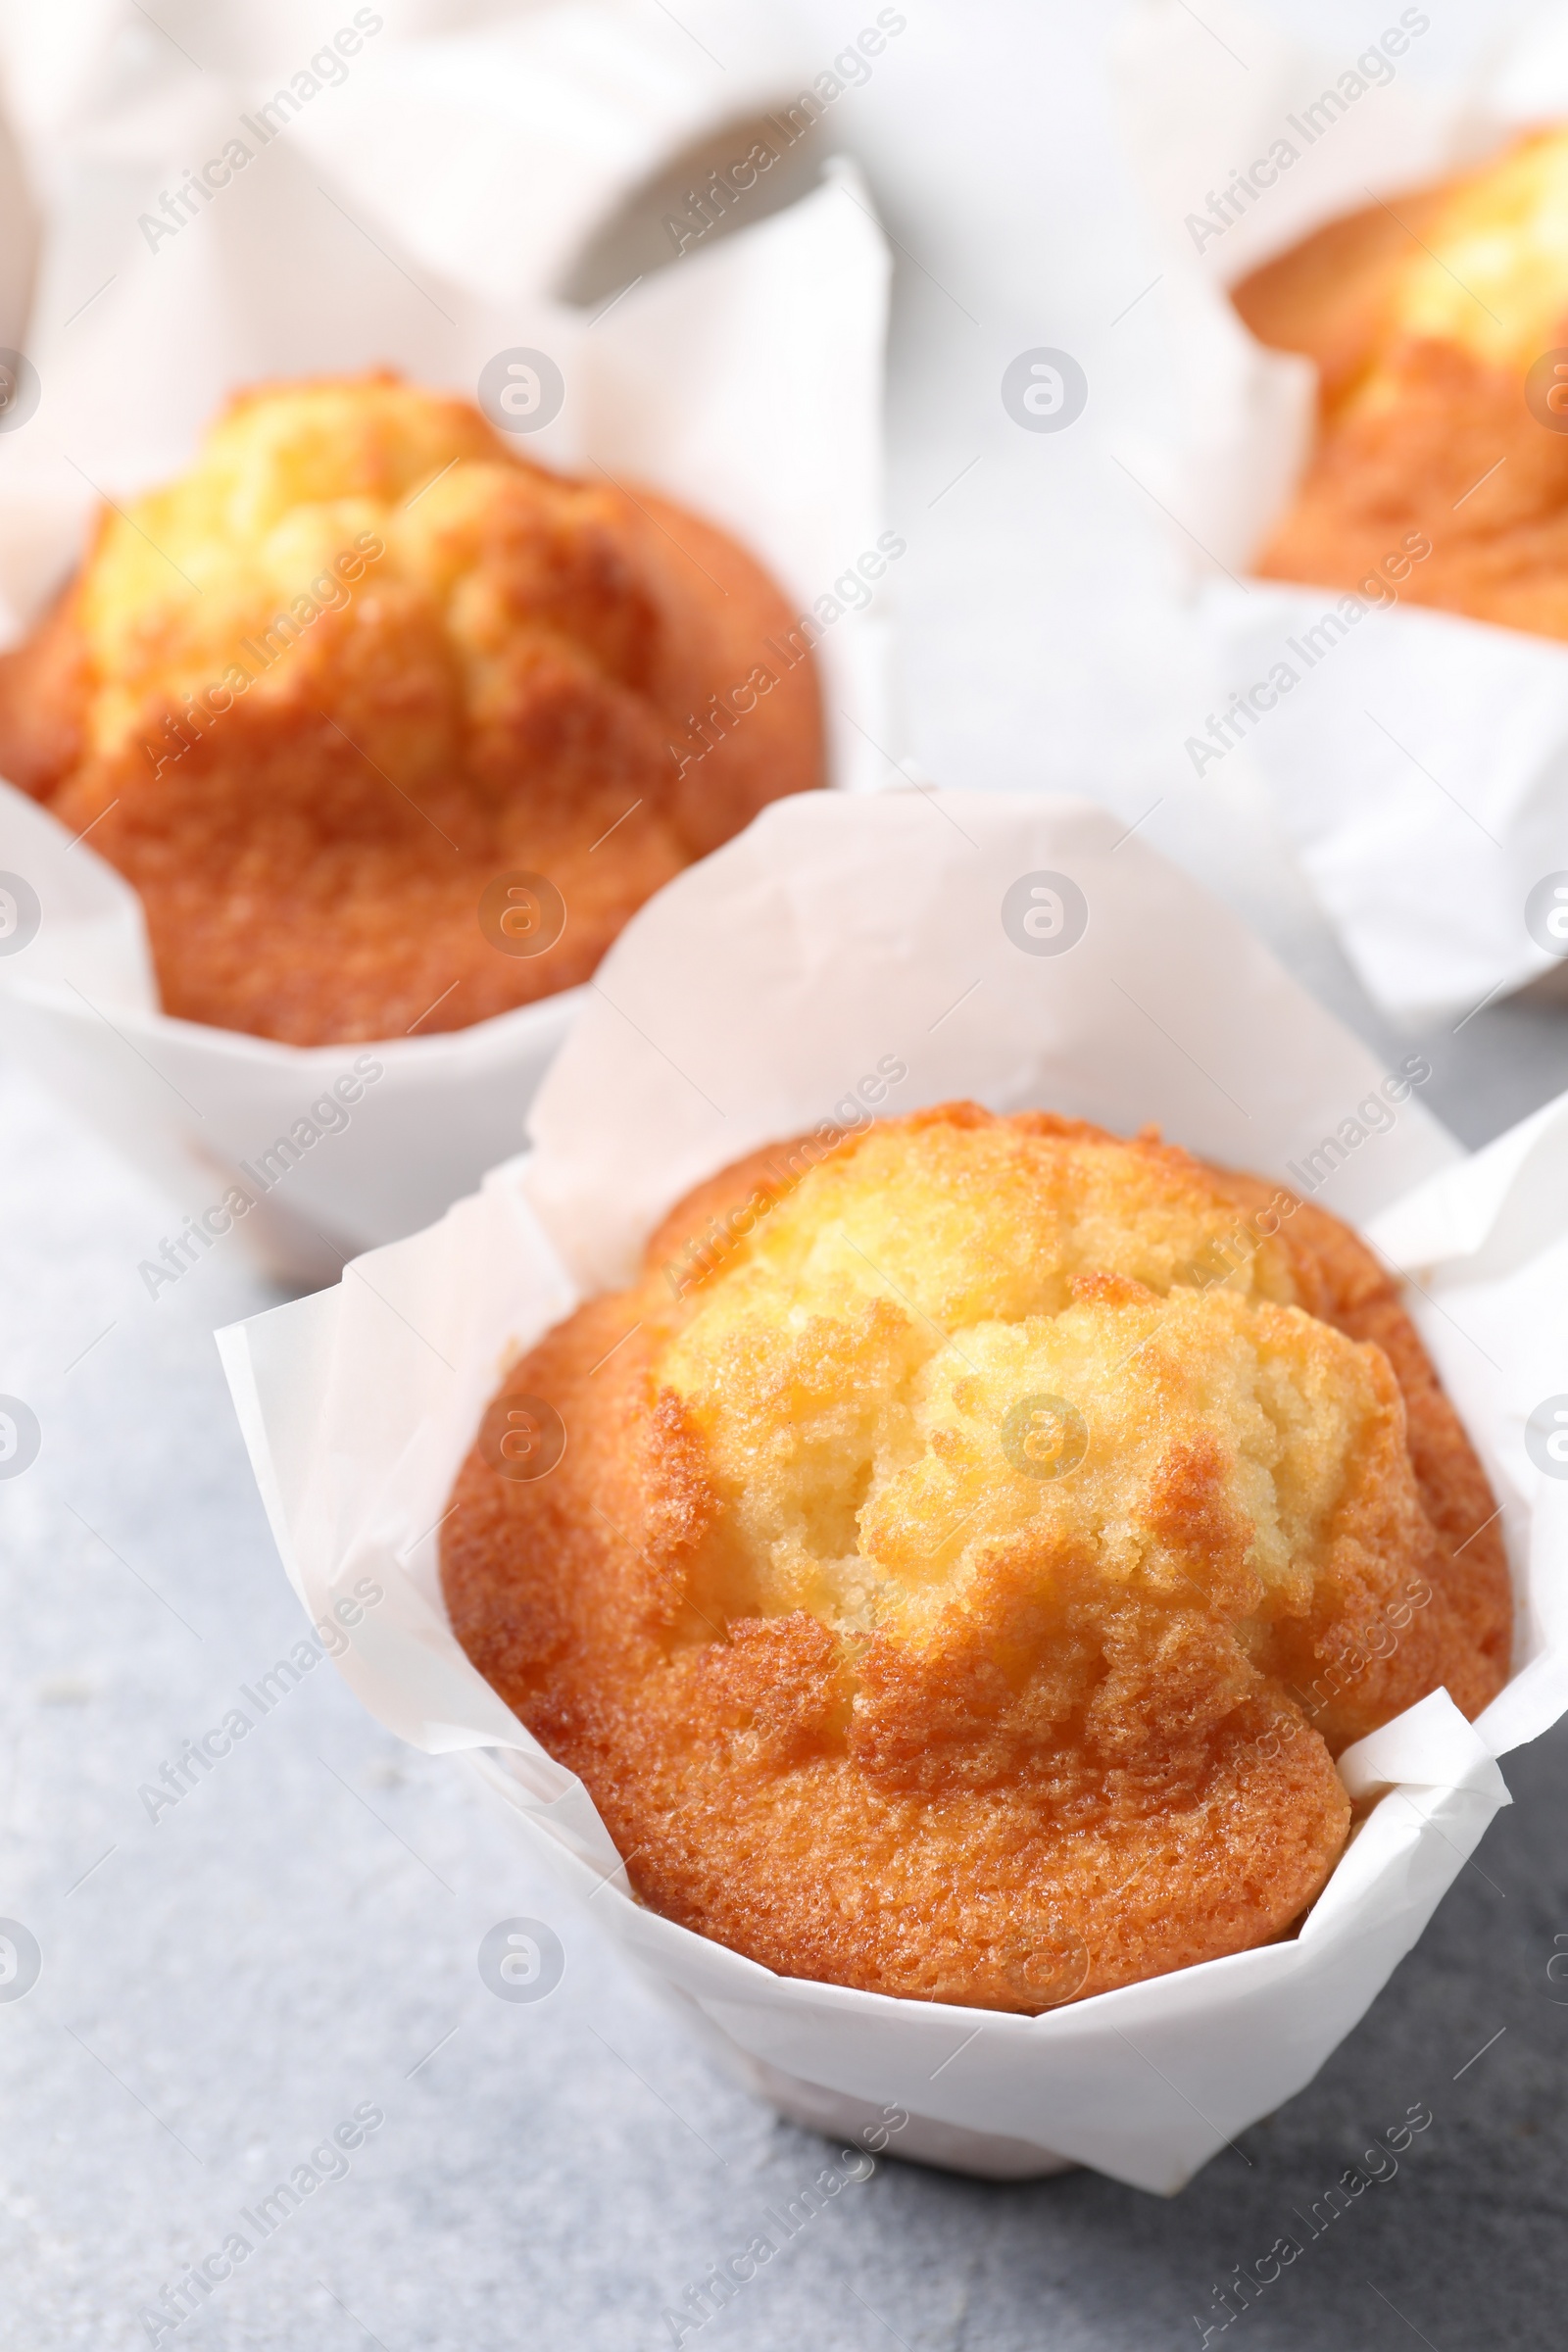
955,1564
1434,477
392,729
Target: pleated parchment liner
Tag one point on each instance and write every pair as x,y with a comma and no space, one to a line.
745,382
765,983
1416,760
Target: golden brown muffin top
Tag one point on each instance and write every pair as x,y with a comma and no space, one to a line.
361,661
969,1553
1425,317
860,1381
1491,276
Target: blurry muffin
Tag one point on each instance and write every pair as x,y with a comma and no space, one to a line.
1434,478
973,1541
364,664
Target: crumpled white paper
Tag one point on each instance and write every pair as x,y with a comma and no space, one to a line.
744,381
742,1005
1420,764
543,121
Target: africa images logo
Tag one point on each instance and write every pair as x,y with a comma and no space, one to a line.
1045,913
1547,1437
522,390
1045,391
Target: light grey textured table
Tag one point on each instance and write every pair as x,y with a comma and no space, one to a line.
297,1937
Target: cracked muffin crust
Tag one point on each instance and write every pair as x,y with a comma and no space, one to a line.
359,665
1434,477
962,1586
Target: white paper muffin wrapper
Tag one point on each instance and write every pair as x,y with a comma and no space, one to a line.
753,998
745,382
1419,765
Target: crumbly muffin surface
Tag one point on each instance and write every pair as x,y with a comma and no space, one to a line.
361,663
960,1586
1434,479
